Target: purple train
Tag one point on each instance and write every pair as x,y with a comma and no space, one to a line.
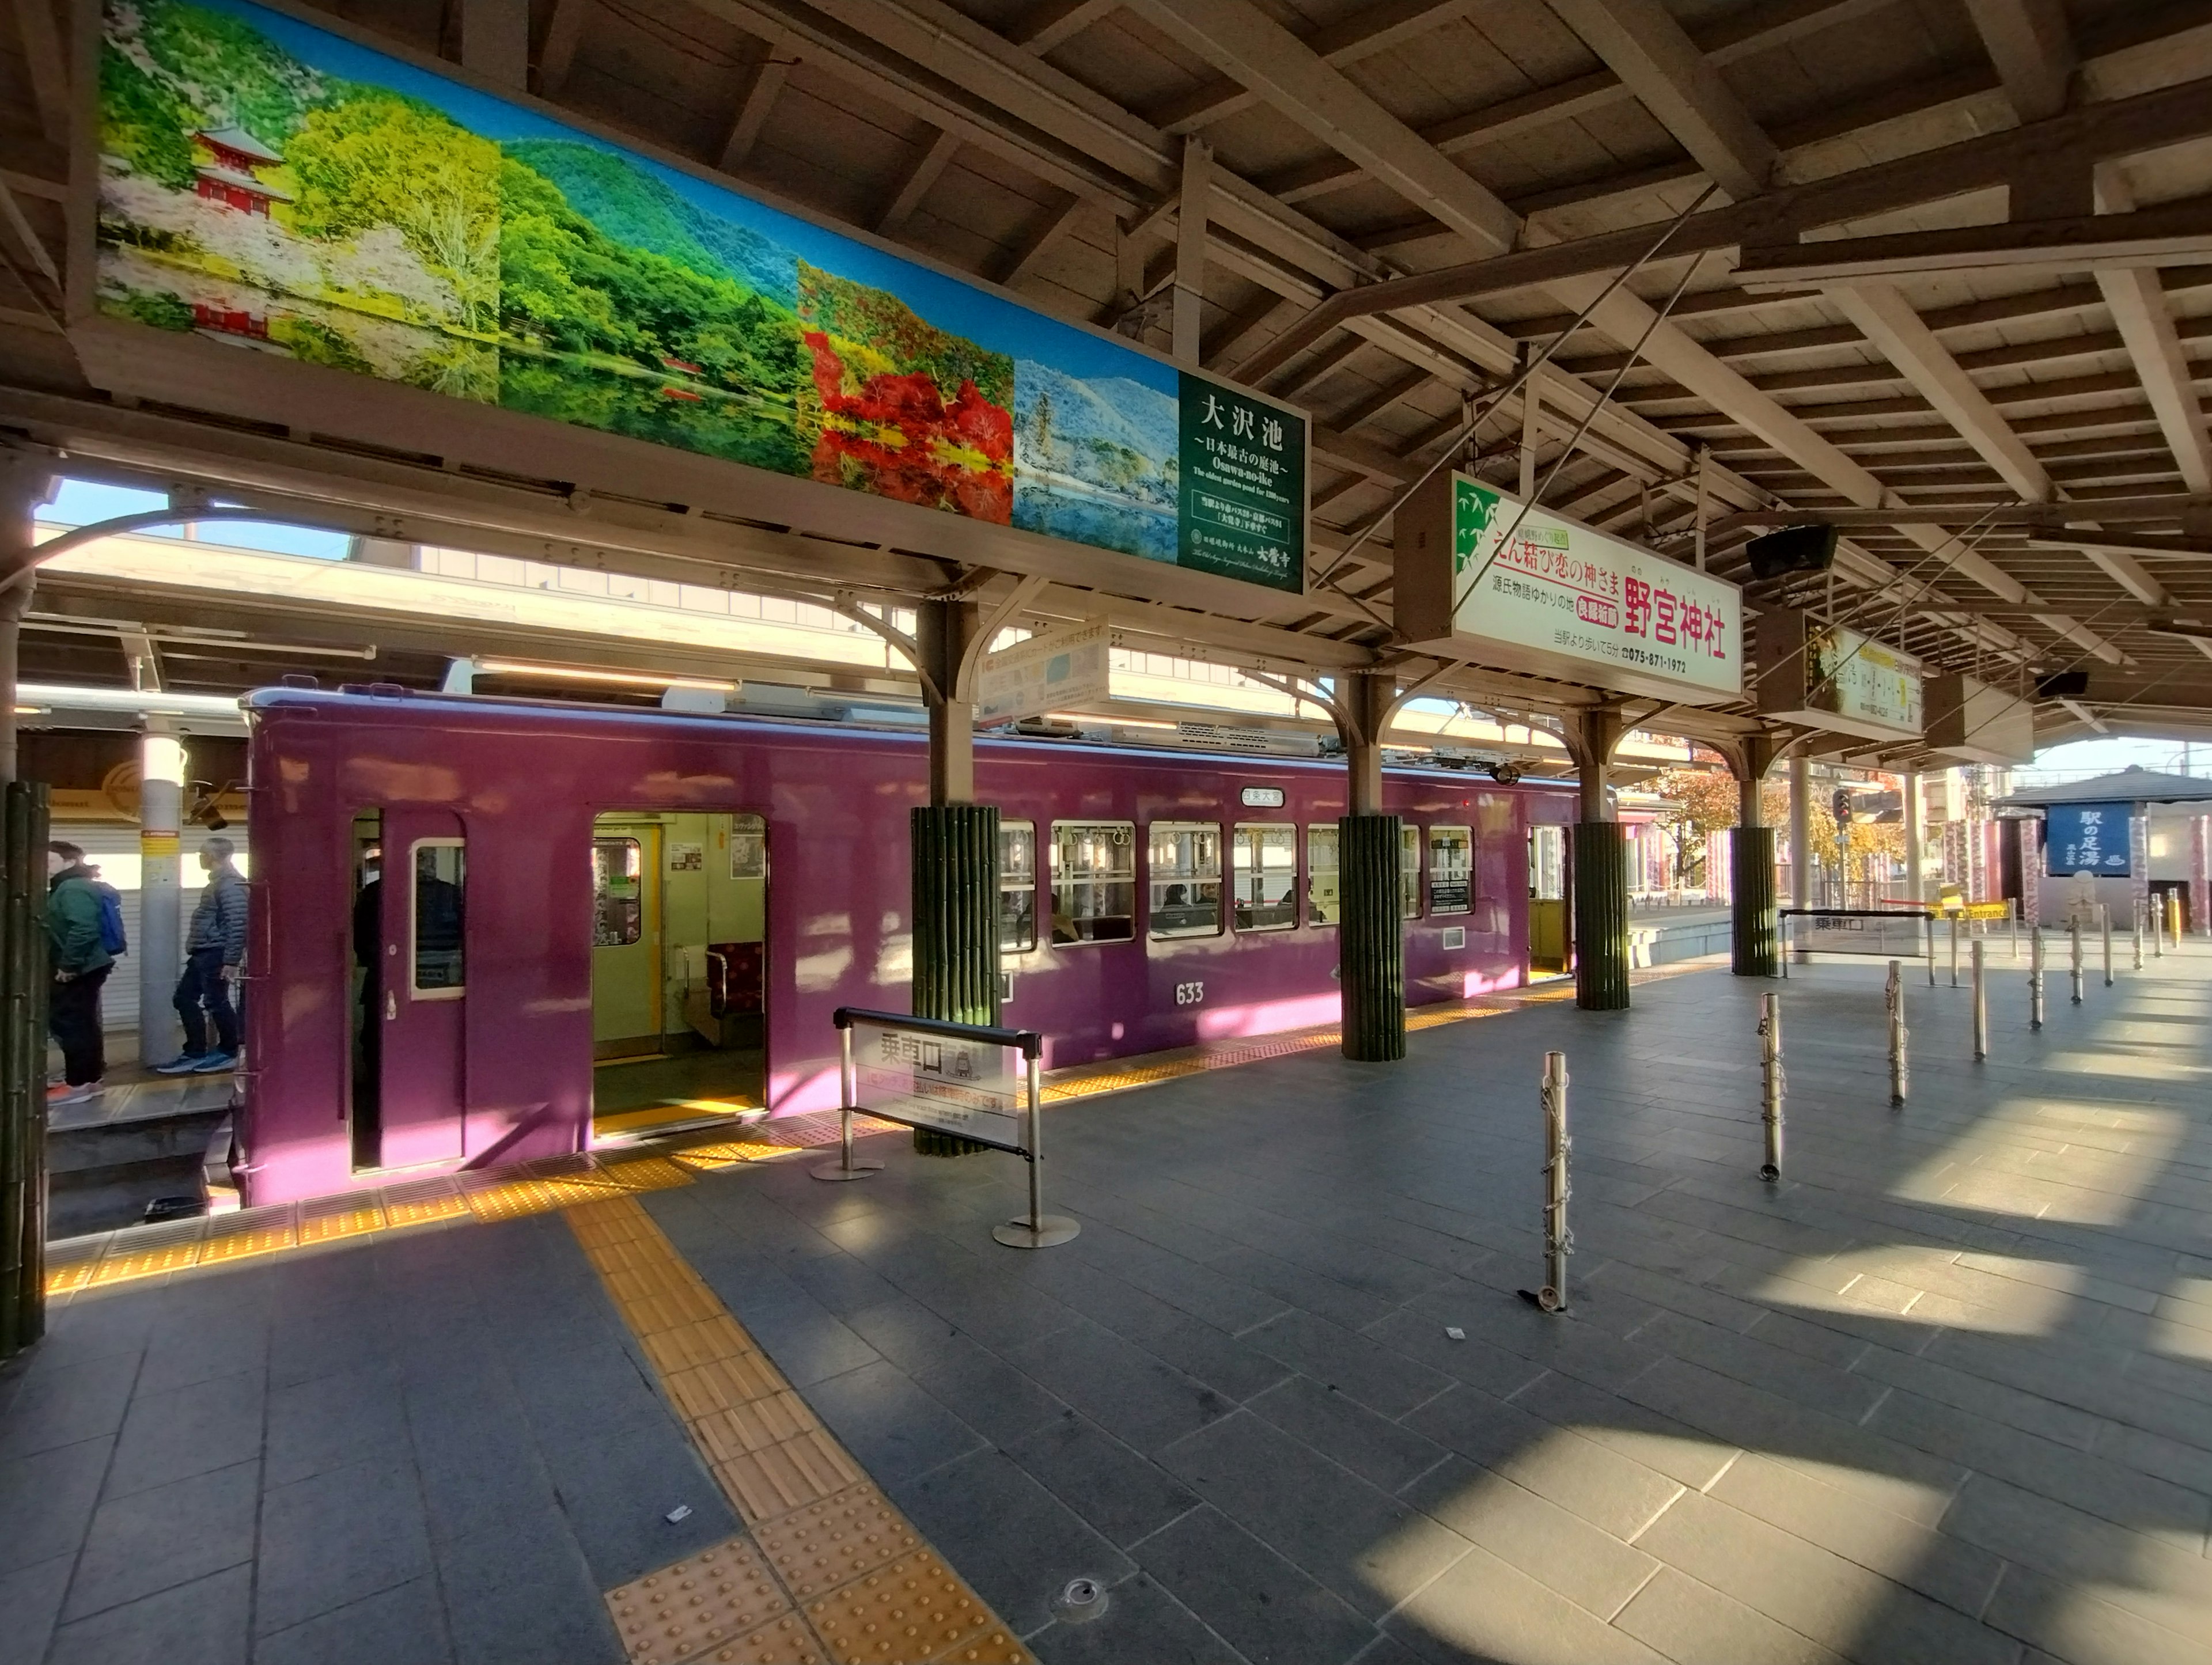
489,931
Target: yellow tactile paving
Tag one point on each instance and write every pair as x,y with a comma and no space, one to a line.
151,1253
722,1383
250,1232
753,1426
914,1609
816,1549
325,1219
789,1640
702,1602
790,1474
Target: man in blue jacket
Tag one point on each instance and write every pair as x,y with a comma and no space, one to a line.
81,964
215,952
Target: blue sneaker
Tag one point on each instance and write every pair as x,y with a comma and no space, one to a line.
183,1064
217,1063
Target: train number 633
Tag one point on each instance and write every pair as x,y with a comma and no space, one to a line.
1189,993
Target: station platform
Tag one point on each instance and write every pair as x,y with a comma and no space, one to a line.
1943,1393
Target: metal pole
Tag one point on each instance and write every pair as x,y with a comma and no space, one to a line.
1771,1083
1559,1241
2135,913
1893,993
1954,950
1981,1011
848,1090
2012,921
2104,915
1040,1230
2156,920
1036,1149
2173,917
1928,920
1785,948
2073,937
2035,978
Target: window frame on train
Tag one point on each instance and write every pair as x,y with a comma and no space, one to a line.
417,989
1440,882
1316,833
1059,885
1193,877
1243,910
1410,849
1020,834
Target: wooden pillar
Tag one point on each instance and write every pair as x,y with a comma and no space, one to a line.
1601,869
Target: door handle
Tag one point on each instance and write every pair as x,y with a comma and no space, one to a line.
391,1007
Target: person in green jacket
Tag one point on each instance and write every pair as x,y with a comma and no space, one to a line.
81,964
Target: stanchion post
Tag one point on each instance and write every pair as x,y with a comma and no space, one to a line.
1981,1011
1784,930
847,1090
1040,1230
2135,913
1928,920
1770,1085
1954,950
1559,1241
2035,977
2012,922
2105,912
2156,920
2173,917
2074,939
1894,995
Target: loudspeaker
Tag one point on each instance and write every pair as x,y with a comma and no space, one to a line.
1792,549
2062,685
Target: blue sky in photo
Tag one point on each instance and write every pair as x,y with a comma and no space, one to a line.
949,303
81,502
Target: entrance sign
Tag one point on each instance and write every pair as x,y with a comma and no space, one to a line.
1058,671
275,187
1836,680
1562,600
2088,838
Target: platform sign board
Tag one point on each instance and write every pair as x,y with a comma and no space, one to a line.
1061,671
2088,838
1976,723
1899,936
1836,680
280,187
1560,598
958,1086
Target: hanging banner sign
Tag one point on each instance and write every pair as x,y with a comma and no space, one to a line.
953,1085
1066,670
274,186
1561,600
2088,838
1837,680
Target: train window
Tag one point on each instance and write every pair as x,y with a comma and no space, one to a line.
441,876
617,892
1016,887
1185,862
1409,871
1265,883
1324,900
1451,870
1094,881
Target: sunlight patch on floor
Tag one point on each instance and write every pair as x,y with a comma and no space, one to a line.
1995,1294
2089,1164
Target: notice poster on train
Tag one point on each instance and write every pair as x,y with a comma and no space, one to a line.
952,1085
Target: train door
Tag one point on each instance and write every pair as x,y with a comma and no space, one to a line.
410,952
680,906
1547,899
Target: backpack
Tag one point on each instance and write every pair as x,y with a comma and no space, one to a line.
112,938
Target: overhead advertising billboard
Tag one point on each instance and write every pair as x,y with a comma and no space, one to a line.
1834,679
1560,599
1061,671
2088,838
275,187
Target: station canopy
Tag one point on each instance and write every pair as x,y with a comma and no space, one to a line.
1077,308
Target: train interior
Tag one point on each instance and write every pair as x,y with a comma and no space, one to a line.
1547,899
680,906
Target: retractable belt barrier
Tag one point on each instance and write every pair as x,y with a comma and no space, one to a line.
951,1078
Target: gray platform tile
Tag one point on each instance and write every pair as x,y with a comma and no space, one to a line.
2083,1377
170,1535
2120,1494
841,1284
2187,1465
1591,1568
1689,1621
1142,1622
1383,1453
1379,1376
1250,1597
1946,1569
1133,1396
188,1430
1838,1339
909,1333
1804,1381
986,1394
331,1539
893,1429
1636,1431
201,1623
330,1421
522,1595
617,1492
1980,1396
477,1464
1122,1492
2078,1626
1369,1548
602,1387
1482,1609
1422,1337
111,1324
327,1343
46,1501
1303,1290
1011,1538
1585,1346
1167,1331
1835,1601
806,1341
31,1600
65,1407
404,1626
1195,1287
1612,1491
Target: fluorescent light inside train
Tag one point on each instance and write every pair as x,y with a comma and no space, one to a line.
623,678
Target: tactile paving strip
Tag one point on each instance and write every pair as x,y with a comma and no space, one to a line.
705,1601
916,1608
828,1543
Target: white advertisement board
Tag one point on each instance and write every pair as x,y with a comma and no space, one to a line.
1559,598
1057,672
956,1086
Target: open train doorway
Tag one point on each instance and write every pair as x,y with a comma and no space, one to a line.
679,928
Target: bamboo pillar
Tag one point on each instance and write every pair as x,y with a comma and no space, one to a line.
1601,869
1370,939
24,980
1753,919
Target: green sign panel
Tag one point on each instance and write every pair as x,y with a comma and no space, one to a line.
277,187
1243,467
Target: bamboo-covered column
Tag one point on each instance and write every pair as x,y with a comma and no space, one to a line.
24,976
1370,938
954,845
1601,905
1753,919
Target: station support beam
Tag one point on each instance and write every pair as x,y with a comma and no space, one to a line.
1915,882
24,980
1753,922
1371,939
1600,868
953,843
1800,830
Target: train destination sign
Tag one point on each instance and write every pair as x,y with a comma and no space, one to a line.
271,184
953,1085
1834,679
1561,600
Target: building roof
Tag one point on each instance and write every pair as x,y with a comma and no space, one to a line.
238,139
2134,784
240,182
